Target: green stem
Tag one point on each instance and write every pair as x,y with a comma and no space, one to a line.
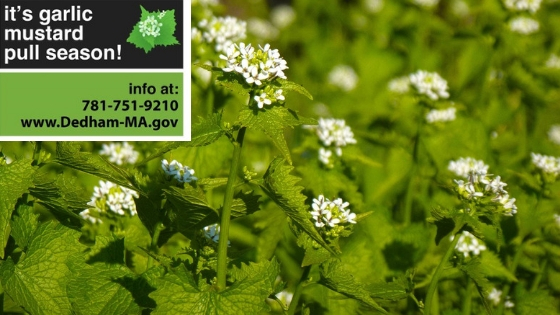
467,301
154,246
512,269
226,212
538,277
413,175
437,274
297,294
37,153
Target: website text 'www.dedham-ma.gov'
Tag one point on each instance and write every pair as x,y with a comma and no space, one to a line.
91,122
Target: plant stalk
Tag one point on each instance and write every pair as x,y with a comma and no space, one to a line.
226,212
437,274
512,269
538,277
467,301
154,246
297,294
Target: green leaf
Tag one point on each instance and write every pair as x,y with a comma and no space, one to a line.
272,122
396,290
24,223
102,289
178,293
15,180
210,183
291,86
493,267
335,277
204,133
244,204
136,39
38,281
314,254
68,154
473,270
281,187
64,196
167,29
231,80
191,210
537,302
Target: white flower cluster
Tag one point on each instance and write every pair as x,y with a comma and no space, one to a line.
557,219
344,77
430,84
373,6
333,134
480,184
554,134
183,174
468,244
441,115
548,164
262,29
553,62
282,16
426,3
400,85
150,26
495,296
523,25
264,64
465,166
119,153
328,214
523,5
268,95
111,197
222,32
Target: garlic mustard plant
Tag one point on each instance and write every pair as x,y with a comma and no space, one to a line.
120,153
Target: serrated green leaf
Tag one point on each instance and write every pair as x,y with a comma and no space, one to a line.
314,254
291,86
139,41
102,289
395,290
38,281
335,277
210,183
272,122
167,29
64,195
24,223
493,267
191,210
474,271
178,294
537,302
15,180
68,154
281,187
204,133
244,204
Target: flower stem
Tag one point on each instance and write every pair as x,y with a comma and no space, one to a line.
154,247
299,289
226,212
512,269
538,277
435,278
467,299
